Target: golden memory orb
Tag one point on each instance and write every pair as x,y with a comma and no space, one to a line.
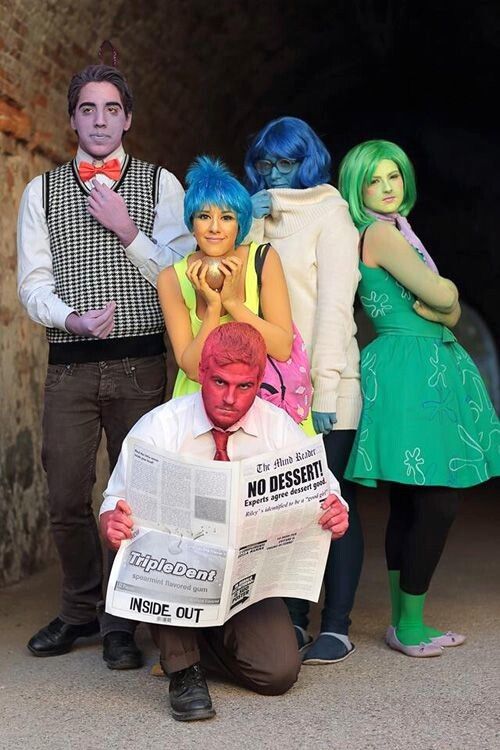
214,277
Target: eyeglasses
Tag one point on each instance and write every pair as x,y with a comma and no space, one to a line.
265,166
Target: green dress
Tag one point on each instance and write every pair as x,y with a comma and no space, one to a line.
183,385
427,418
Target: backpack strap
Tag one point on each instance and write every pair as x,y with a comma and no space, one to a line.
260,256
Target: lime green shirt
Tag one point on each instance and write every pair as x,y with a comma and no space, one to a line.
183,385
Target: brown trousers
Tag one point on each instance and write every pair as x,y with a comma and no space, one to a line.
256,648
82,400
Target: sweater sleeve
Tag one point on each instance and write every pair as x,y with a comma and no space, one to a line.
337,281
256,233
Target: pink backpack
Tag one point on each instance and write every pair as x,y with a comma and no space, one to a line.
286,384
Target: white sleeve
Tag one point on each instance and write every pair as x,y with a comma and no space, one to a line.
35,277
171,238
116,486
143,430
335,488
338,277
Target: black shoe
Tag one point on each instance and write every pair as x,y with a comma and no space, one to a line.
189,696
58,637
120,652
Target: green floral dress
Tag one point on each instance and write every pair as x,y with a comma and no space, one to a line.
427,418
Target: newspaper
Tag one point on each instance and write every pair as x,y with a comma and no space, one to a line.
212,537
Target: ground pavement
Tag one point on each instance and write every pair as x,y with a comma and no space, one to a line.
375,699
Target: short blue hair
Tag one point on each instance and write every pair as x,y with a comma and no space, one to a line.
210,183
291,138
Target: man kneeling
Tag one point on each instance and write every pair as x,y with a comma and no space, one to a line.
257,647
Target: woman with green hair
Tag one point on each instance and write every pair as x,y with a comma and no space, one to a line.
427,426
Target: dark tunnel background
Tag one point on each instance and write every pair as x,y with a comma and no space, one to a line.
205,77
422,75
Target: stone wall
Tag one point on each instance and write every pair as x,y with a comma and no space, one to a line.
41,45
182,108
196,72
205,76
23,352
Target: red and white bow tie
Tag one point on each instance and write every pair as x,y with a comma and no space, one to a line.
111,169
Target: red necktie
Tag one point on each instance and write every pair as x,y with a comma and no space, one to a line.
220,439
111,169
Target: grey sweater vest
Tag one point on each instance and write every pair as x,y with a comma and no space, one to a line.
90,266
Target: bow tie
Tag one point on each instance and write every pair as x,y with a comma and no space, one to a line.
111,169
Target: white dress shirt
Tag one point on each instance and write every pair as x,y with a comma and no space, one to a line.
182,426
171,242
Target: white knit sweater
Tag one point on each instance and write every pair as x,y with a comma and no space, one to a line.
318,245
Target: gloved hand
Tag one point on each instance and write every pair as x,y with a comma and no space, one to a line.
261,204
323,421
93,323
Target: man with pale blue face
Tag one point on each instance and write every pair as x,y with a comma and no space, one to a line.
93,235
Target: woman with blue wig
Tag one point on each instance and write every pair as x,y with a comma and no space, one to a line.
218,282
307,221
428,426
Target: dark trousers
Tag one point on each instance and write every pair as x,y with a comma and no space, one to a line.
418,527
82,400
256,648
343,566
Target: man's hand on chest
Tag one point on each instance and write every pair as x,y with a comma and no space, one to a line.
109,208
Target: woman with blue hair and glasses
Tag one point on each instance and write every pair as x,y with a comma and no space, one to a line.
218,282
308,223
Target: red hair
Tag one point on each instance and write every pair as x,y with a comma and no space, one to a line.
234,342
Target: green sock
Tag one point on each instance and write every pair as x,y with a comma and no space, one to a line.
411,629
394,592
431,632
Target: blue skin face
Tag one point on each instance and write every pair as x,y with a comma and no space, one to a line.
278,180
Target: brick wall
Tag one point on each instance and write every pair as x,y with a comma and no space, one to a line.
196,73
183,107
205,76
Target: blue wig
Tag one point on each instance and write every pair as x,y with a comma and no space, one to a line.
210,183
291,138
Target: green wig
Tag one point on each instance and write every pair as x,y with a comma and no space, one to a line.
356,171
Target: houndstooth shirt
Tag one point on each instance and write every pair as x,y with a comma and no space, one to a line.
169,241
88,262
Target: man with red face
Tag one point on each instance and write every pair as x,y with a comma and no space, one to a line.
93,235
257,647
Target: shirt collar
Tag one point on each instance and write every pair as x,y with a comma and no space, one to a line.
202,424
118,153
